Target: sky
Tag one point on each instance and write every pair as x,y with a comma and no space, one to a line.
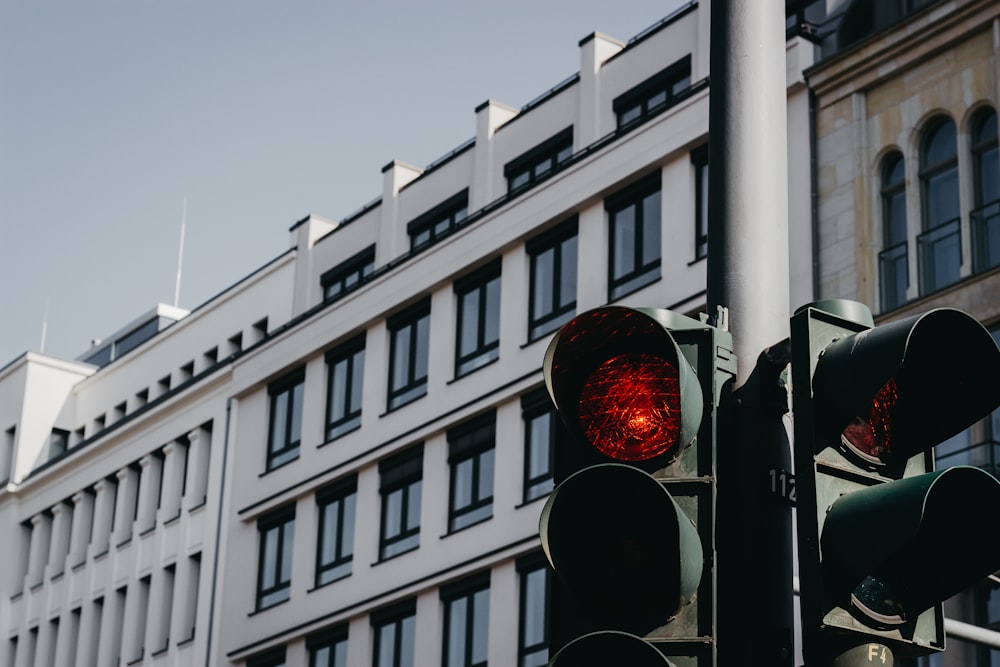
255,113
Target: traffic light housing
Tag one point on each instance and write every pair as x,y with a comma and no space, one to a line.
628,529
883,538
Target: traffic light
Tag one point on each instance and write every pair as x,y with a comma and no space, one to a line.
628,529
883,538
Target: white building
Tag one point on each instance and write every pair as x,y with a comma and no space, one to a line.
342,458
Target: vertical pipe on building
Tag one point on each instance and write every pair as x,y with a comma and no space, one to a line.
748,274
218,535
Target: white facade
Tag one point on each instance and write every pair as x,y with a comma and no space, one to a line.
224,564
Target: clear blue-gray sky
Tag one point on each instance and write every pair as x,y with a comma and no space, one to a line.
112,112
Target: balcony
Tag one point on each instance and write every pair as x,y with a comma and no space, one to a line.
940,254
985,223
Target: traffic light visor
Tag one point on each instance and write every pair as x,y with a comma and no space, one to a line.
609,649
621,383
898,389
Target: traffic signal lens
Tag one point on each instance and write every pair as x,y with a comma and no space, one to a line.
870,436
630,407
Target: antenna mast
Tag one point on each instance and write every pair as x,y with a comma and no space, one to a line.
180,256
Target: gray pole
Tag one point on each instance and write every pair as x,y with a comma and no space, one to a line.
748,275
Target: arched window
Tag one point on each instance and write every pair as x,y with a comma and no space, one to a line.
985,219
939,246
893,258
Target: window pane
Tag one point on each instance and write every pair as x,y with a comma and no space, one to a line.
486,474
533,627
331,528
468,333
624,243
651,229
357,375
393,513
455,650
492,332
543,272
286,550
942,197
279,414
941,146
407,641
481,621
567,286
413,507
387,645
462,485
347,529
423,340
269,561
538,437
895,213
338,390
400,358
296,413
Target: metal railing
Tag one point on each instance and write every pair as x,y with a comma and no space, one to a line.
985,223
939,251
893,275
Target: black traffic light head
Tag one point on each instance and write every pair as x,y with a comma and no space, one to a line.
609,649
621,384
882,539
615,533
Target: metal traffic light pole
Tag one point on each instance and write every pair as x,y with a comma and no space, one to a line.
748,275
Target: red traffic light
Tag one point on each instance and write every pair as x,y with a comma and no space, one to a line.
620,382
630,407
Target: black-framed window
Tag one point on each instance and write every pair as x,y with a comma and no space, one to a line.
409,343
533,639
466,622
58,442
657,93
328,648
699,161
541,428
348,275
894,274
478,335
335,547
540,162
985,157
345,375
285,430
395,635
274,563
634,218
400,488
471,455
553,271
273,658
439,221
940,243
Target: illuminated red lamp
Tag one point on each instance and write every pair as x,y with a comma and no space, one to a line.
618,378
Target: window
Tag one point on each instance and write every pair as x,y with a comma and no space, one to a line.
552,258
471,454
395,635
893,272
541,428
634,216
336,531
986,167
400,490
439,221
328,648
655,94
478,336
345,373
699,160
348,275
533,641
466,622
58,442
285,430
274,575
540,162
273,658
939,246
409,340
